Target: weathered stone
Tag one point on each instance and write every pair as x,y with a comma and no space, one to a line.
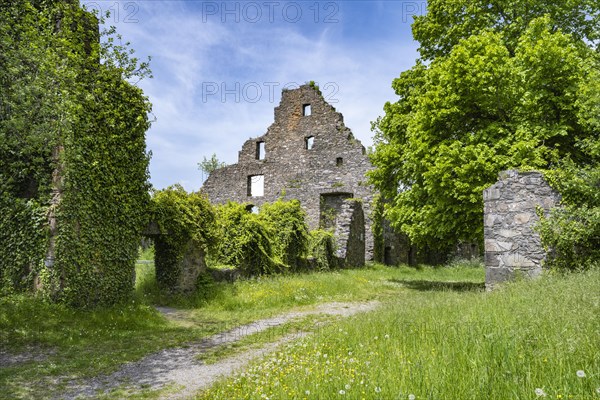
306,157
522,218
516,248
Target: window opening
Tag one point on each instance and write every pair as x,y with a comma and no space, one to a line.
339,161
256,185
260,150
306,110
309,142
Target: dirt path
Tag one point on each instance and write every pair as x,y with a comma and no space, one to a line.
180,367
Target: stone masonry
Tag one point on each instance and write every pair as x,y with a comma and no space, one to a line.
306,154
350,234
512,247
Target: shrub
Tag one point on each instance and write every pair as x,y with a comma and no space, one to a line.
183,219
572,234
290,233
246,241
322,249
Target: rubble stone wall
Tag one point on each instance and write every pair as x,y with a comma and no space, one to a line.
512,247
336,162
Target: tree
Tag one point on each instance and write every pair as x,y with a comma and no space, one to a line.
207,166
508,87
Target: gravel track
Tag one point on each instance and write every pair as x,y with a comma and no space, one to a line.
180,366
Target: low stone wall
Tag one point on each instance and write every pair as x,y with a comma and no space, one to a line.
512,247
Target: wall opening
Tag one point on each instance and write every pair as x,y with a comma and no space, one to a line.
309,142
256,185
306,110
260,150
251,208
339,161
330,206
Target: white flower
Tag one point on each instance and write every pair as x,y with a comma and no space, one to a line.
342,392
581,373
387,336
307,392
411,397
347,386
377,389
540,392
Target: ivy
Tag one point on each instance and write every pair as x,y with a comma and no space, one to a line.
246,241
184,220
287,222
72,141
322,249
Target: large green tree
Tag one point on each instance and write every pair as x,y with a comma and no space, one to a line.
500,84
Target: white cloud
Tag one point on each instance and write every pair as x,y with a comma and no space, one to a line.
189,54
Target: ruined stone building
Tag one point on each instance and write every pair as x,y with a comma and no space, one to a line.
310,155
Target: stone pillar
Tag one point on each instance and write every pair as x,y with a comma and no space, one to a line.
350,234
512,247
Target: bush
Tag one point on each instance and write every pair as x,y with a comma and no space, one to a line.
290,233
246,241
571,234
322,249
183,219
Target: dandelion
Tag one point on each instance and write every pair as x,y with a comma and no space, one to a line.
377,389
387,336
581,373
598,390
411,397
540,392
342,392
307,392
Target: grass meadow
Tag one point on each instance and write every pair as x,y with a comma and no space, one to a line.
436,335
530,339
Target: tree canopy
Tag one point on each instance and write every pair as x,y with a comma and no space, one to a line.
500,84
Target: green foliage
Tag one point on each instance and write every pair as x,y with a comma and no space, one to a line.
71,132
322,249
184,220
25,235
490,94
313,85
287,221
447,22
208,165
246,241
571,233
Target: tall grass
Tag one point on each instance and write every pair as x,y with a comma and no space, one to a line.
531,339
80,344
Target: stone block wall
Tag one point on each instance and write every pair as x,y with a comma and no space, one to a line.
512,247
307,155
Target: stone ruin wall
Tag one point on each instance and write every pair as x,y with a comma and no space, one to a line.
350,234
335,165
512,246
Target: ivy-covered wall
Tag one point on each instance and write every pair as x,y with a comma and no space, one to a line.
73,162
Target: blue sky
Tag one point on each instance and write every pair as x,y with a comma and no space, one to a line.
219,67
